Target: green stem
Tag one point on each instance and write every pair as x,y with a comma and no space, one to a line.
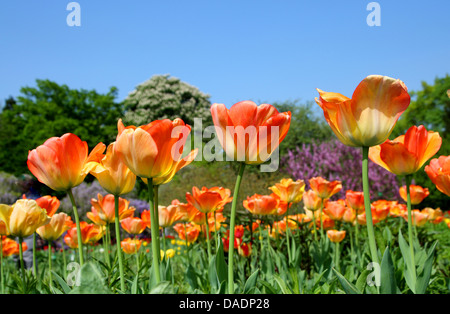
156,208
410,225
119,250
287,235
64,257
34,259
367,205
77,222
154,232
50,263
232,223
22,265
1,266
321,219
336,260
207,237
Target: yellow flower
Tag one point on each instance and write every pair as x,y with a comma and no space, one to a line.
289,190
58,224
23,217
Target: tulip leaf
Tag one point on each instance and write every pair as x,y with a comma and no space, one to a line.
191,277
282,284
164,287
362,280
62,283
251,282
424,278
221,265
348,287
404,248
388,283
91,281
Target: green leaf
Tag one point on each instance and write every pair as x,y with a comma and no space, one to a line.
91,281
62,283
164,287
251,282
221,265
388,283
191,277
404,248
424,278
282,284
349,288
362,280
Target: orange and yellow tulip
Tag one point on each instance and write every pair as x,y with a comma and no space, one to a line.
154,150
112,174
419,219
104,207
246,131
209,200
90,234
335,210
131,246
417,193
407,153
439,173
192,231
185,211
261,204
58,224
324,188
336,236
11,247
368,118
288,190
63,162
312,201
23,217
355,200
168,215
133,225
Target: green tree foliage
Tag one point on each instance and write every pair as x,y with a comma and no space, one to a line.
431,108
165,97
49,110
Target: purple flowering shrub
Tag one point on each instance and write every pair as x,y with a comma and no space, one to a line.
333,160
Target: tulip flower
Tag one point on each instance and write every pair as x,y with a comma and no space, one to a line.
366,120
435,216
407,153
355,200
349,215
58,224
90,234
418,193
312,201
62,163
188,232
105,208
261,204
112,174
398,210
419,219
208,200
133,225
49,203
3,229
153,151
186,212
245,249
335,210
336,237
168,215
323,188
130,246
289,191
439,173
11,247
248,134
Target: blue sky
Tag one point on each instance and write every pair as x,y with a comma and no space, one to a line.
234,50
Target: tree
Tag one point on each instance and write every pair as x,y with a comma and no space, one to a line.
50,110
165,97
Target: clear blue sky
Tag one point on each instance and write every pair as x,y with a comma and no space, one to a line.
233,50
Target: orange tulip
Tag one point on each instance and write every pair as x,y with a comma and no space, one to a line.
435,216
407,153
168,215
323,188
250,133
419,218
191,230
381,209
63,162
49,203
336,236
112,174
349,215
11,247
335,210
261,204
59,224
417,193
90,234
368,118
439,172
397,210
355,200
131,246
105,208
311,201
154,150
288,190
208,200
133,225
185,211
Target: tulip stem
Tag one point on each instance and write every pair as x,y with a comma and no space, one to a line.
77,222
156,208
22,266
50,263
410,225
367,205
1,265
64,257
232,223
287,235
336,257
119,250
34,258
154,232
207,237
